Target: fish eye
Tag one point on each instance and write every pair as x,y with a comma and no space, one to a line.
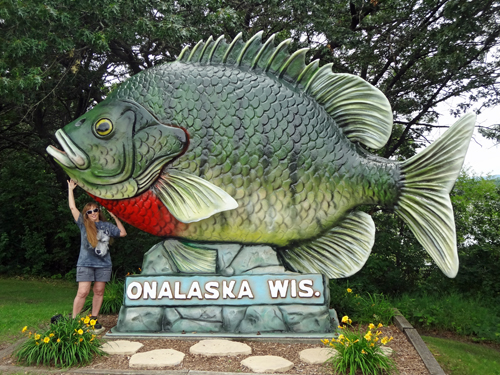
103,127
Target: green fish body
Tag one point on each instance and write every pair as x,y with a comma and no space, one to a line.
244,143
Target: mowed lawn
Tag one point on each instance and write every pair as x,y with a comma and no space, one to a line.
32,303
461,358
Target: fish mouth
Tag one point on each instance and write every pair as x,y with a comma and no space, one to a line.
72,156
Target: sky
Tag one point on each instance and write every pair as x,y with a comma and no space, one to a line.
483,156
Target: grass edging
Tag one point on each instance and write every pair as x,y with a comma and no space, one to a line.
423,351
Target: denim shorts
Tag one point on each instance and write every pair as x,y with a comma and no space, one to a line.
93,274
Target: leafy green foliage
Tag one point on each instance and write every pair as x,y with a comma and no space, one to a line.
68,342
467,316
360,351
113,297
362,307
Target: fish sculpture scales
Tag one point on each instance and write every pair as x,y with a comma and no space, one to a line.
245,143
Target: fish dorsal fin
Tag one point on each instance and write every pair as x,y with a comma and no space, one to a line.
360,109
340,252
190,198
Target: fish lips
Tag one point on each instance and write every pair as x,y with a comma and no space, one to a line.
72,156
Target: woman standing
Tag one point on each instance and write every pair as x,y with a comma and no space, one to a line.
94,262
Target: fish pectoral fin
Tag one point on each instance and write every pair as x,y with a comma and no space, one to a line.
190,198
340,252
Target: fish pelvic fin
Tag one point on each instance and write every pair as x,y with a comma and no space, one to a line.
340,252
424,202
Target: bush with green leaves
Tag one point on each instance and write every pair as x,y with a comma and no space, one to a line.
364,308
112,300
474,317
68,342
358,351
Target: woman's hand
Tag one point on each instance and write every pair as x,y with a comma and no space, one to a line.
72,184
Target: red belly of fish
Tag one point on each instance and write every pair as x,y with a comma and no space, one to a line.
145,212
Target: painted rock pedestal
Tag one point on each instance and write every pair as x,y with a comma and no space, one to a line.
245,290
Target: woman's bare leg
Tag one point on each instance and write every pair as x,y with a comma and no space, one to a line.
98,296
81,295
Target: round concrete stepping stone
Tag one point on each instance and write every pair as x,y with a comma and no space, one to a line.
156,358
316,356
267,363
222,348
387,351
121,347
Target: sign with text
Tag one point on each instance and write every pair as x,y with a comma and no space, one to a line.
222,290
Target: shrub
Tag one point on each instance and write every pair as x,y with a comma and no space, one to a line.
363,308
68,342
358,351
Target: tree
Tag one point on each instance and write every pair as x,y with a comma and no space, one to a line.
58,58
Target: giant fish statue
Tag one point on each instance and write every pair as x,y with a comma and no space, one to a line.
245,143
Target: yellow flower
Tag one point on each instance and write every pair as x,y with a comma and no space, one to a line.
350,321
37,343
341,327
58,340
46,340
385,340
379,333
81,339
82,319
80,331
37,337
87,320
341,337
51,335
25,329
30,333
391,339
368,336
325,341
372,344
371,326
355,341
93,322
345,319
140,270
349,290
376,339
380,325
363,351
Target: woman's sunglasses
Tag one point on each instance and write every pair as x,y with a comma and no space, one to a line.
89,212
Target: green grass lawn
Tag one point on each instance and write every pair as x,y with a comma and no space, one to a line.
459,358
32,303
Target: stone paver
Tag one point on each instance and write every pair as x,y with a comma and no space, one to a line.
267,363
316,356
156,358
98,331
387,351
222,348
121,347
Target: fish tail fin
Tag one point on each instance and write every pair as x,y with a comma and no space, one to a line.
424,203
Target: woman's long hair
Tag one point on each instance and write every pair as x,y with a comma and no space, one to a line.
89,224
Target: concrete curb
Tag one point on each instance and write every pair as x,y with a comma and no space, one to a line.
399,320
419,344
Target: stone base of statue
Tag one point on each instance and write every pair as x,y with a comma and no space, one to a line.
229,288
